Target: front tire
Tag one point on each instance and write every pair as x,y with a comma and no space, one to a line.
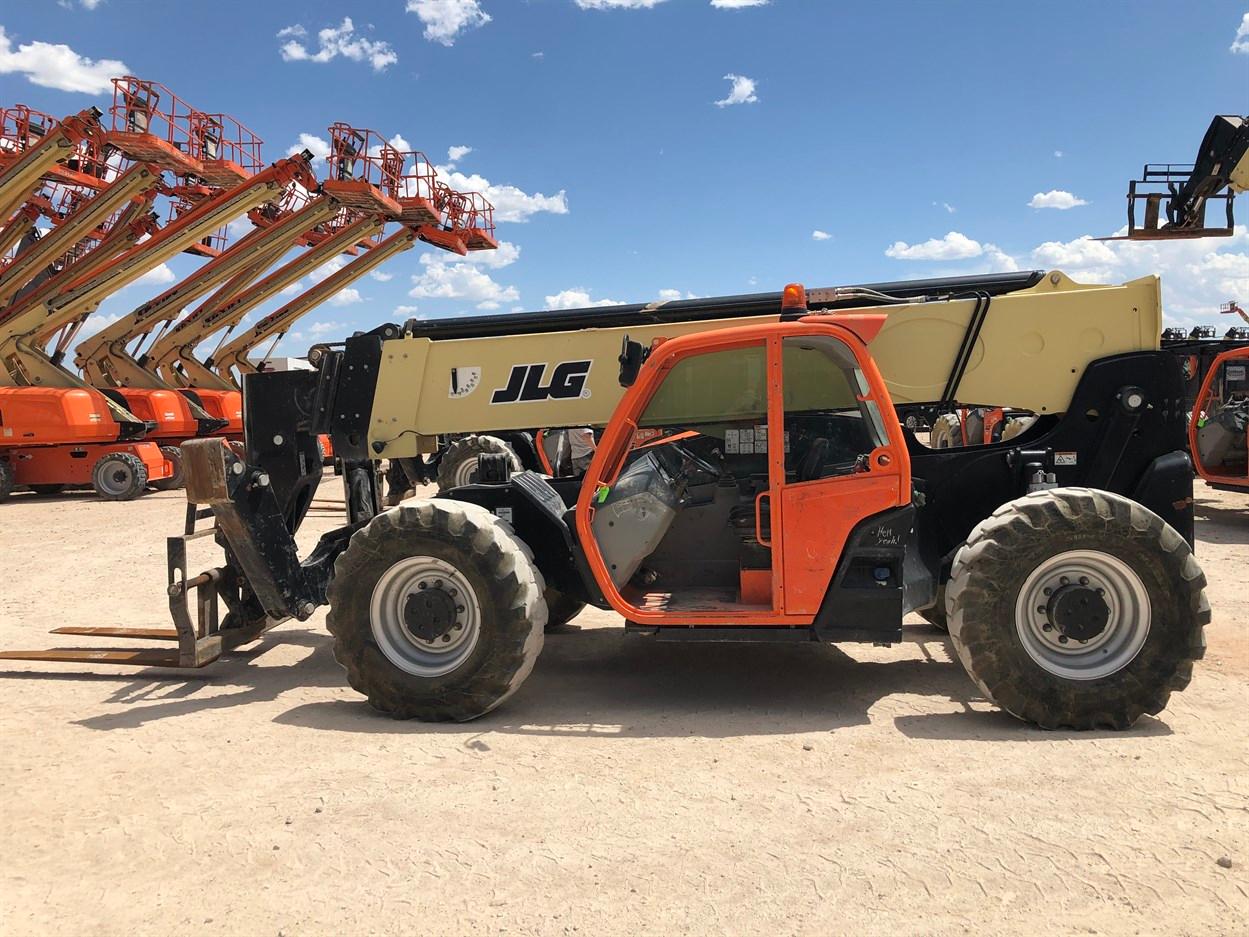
1077,608
459,463
437,611
119,476
172,454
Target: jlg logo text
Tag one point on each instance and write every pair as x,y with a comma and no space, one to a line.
525,385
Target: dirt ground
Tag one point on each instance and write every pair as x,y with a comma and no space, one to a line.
628,788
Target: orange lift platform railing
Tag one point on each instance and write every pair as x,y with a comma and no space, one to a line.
303,215
364,171
46,435
419,196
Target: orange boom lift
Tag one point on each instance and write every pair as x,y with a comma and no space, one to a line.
57,430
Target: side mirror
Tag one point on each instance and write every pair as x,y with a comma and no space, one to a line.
631,357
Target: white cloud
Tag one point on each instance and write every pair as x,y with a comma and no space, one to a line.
538,55
618,4
96,322
347,297
464,281
741,92
818,235
381,276
293,289
405,311
1058,154
1056,198
510,203
670,295
954,246
334,41
320,328
318,146
578,298
1241,43
737,4
444,20
457,153
1197,275
505,255
397,141
297,31
328,269
160,275
58,66
950,209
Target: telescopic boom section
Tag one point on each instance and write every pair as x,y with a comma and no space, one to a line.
104,358
234,355
84,293
20,175
173,355
89,216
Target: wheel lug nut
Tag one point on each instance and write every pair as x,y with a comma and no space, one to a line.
459,608
1047,590
451,592
422,585
1084,641
1047,627
1101,591
1084,580
1062,639
1064,580
437,583
1041,609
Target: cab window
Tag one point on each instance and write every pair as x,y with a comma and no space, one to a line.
829,428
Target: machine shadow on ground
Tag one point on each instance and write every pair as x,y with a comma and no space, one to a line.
601,683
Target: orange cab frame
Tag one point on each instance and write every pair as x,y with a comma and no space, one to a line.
810,520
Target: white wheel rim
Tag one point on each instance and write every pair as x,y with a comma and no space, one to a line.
466,472
1126,628
116,477
407,651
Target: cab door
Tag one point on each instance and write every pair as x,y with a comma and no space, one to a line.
841,457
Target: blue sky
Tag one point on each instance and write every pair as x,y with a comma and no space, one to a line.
912,136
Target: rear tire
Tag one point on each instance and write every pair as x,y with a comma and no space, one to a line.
178,479
946,432
454,573
6,479
1078,546
459,463
119,476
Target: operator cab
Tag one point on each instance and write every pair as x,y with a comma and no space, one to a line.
687,526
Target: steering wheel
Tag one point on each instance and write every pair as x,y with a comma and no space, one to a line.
693,459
